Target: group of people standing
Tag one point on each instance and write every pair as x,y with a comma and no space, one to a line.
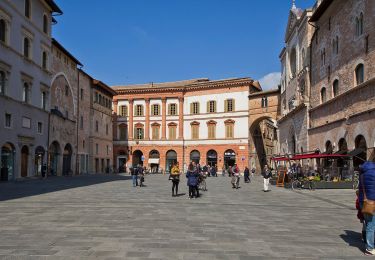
138,173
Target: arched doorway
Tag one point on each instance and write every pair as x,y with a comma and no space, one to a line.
54,154
211,158
360,153
195,156
154,161
137,158
24,160
328,150
39,158
122,158
342,163
67,159
171,158
7,162
229,158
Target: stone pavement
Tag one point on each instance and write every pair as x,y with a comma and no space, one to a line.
104,217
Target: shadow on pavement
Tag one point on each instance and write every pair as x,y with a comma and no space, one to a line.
354,239
31,187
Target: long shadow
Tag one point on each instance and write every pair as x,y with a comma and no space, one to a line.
31,187
354,239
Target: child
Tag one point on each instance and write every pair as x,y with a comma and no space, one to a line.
360,217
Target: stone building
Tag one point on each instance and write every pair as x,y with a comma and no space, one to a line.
194,120
63,118
342,117
295,83
25,76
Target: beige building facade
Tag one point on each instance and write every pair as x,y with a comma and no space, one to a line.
342,117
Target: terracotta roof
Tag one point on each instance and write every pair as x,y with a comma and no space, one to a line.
271,91
163,84
53,6
320,10
104,87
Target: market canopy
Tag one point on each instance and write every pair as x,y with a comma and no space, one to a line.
308,156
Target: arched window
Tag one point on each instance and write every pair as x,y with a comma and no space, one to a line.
2,82
335,87
26,47
360,27
45,24
264,102
211,125
44,60
323,95
2,30
229,128
335,45
359,74
27,8
293,62
26,93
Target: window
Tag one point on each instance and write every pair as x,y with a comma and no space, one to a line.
138,110
96,97
211,106
44,60
27,8
8,120
323,95
195,130
194,108
81,93
100,99
172,109
264,102
26,122
155,131
211,125
323,56
96,126
3,30
2,83
83,144
81,123
123,132
97,148
229,129
229,105
45,24
26,93
359,25
40,127
66,90
335,45
335,88
293,62
107,150
359,74
155,110
44,100
26,47
139,133
172,127
106,129
123,110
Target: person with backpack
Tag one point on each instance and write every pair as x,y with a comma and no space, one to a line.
267,174
192,176
134,174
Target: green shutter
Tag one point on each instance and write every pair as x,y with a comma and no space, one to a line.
198,110
226,106
233,105
215,106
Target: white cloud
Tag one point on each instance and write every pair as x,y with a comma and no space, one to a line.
270,81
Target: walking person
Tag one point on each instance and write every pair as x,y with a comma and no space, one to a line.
192,180
141,176
134,174
235,177
213,171
266,178
367,193
223,171
246,174
175,178
252,172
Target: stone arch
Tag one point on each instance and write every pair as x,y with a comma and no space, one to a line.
70,88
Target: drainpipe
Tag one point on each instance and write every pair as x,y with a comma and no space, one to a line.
78,118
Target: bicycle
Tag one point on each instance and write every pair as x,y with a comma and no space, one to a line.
299,184
202,182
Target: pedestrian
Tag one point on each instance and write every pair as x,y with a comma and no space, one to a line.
366,196
360,216
235,177
175,178
230,171
134,174
246,174
213,171
266,178
192,180
253,172
141,176
223,171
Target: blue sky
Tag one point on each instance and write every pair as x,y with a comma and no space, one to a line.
138,41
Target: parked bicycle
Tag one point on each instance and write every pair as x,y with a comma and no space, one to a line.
301,183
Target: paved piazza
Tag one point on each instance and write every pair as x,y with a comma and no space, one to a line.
104,217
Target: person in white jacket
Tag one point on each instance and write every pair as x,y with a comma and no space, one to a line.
266,178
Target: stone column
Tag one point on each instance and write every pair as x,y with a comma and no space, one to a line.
181,118
164,118
147,124
131,115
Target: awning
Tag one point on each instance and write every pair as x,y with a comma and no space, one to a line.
153,161
356,152
309,156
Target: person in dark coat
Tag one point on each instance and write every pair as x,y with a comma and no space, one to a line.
246,174
192,181
367,188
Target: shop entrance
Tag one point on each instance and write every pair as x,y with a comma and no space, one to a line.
229,158
212,158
